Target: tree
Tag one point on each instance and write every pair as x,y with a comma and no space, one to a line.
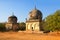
2,27
22,26
52,22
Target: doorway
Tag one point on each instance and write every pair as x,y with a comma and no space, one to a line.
32,29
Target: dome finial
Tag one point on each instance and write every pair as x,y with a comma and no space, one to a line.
12,13
35,7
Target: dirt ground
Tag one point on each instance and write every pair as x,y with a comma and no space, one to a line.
27,36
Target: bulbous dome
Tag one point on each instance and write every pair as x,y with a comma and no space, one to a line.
35,14
13,16
12,19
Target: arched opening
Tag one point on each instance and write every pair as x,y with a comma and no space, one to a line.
32,29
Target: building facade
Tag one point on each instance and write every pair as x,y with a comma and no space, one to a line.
12,23
34,22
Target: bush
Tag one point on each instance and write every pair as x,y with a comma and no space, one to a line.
2,27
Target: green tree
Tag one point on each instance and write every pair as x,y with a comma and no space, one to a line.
52,22
22,26
2,27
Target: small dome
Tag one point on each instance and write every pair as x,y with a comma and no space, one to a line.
35,14
13,16
12,19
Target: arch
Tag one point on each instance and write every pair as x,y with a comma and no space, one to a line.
27,26
32,29
34,26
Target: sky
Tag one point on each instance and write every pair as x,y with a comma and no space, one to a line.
21,8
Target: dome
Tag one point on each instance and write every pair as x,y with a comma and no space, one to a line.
35,14
13,16
12,19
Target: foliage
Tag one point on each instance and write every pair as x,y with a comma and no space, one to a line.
2,27
22,26
52,22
